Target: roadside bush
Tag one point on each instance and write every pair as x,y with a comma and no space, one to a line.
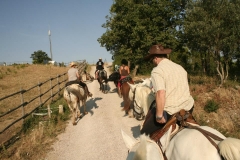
211,106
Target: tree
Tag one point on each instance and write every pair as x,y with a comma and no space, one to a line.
212,29
135,25
39,57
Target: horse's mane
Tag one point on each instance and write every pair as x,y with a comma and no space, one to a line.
229,148
141,151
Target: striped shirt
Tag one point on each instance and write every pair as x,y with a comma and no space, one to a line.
172,78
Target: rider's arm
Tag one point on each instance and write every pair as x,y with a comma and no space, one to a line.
128,70
120,70
158,82
160,102
78,76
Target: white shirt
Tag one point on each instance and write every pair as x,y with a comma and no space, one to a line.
172,78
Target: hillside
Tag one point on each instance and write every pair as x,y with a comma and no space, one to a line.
13,78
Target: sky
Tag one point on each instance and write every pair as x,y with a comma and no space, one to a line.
75,26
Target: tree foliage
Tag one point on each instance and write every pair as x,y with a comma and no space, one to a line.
211,28
135,25
39,57
204,35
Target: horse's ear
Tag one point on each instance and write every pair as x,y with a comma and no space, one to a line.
132,86
129,141
165,139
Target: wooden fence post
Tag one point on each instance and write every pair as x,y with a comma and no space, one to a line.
51,89
58,85
40,97
61,109
49,111
22,100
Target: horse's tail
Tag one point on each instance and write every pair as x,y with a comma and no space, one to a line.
230,148
68,91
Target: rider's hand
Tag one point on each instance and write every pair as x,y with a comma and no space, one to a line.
163,120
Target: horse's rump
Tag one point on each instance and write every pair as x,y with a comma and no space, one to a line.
75,89
102,73
114,76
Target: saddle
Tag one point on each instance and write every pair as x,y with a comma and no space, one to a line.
185,120
126,79
179,119
72,82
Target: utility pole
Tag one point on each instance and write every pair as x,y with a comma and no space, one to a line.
49,34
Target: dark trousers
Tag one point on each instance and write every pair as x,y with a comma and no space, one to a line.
76,82
150,124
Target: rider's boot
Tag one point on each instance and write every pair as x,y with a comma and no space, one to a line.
88,93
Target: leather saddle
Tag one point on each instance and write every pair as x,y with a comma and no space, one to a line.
181,119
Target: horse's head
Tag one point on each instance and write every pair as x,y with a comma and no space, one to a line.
143,148
142,98
147,82
115,76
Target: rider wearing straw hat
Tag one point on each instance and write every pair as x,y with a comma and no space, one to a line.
74,78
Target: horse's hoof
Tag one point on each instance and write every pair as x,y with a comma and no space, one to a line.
85,113
74,123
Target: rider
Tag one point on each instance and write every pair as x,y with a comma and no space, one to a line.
74,78
99,66
124,72
170,82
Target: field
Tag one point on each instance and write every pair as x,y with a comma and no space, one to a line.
15,78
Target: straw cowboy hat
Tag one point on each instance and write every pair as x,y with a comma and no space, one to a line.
155,50
72,64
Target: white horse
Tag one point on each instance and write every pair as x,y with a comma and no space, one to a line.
189,144
144,91
73,94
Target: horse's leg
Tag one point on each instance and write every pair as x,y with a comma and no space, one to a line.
126,99
78,110
84,107
120,92
75,112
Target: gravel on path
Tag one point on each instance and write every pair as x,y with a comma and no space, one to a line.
98,134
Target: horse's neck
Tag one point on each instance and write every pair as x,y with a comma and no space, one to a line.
150,97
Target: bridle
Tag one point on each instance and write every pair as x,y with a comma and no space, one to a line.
134,101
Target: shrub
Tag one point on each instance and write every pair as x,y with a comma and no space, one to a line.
211,106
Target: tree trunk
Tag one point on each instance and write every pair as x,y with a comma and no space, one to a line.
135,70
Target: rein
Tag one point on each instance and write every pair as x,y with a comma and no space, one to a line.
134,101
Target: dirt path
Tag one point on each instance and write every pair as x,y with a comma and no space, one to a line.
98,134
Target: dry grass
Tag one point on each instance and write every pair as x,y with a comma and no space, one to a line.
15,78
